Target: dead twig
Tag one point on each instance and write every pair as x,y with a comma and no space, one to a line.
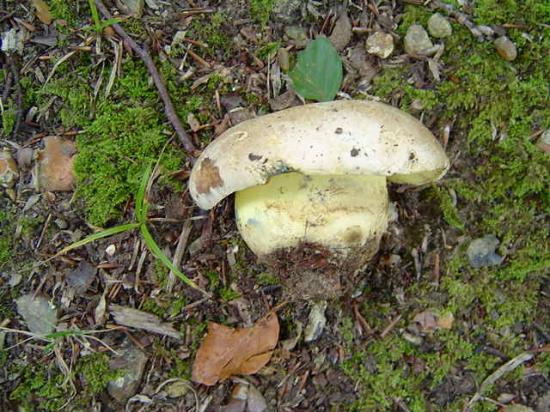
496,375
178,254
390,327
157,79
481,32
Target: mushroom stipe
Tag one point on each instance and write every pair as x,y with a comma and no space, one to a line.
310,182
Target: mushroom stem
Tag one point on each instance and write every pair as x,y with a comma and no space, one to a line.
345,214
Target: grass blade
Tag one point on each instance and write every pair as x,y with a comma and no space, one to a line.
99,235
141,203
155,250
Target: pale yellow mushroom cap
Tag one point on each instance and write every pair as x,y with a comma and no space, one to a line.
333,138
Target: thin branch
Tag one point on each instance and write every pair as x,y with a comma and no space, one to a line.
157,79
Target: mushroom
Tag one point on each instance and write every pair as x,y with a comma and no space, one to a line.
310,182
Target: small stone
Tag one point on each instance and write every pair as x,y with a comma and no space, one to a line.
132,362
283,57
417,42
481,252
24,157
38,313
544,141
341,34
380,44
316,322
297,35
506,49
131,7
110,250
8,170
439,26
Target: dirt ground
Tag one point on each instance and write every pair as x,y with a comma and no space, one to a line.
451,314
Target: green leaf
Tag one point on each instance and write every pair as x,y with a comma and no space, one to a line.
318,72
155,250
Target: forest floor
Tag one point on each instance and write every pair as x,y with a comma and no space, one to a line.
426,327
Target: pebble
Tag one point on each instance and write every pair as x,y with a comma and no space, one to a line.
316,322
417,41
439,26
132,361
132,7
481,252
283,57
341,34
380,44
506,49
38,313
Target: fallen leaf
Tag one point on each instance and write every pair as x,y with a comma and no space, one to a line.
138,319
426,320
55,165
429,321
227,351
42,11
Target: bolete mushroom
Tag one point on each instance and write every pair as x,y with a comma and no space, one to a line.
310,182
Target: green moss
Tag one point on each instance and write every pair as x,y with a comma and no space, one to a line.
8,117
96,372
260,10
227,294
39,389
6,236
63,10
495,108
151,305
450,214
267,279
212,31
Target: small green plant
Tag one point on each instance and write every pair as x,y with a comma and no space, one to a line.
260,10
318,72
100,25
141,207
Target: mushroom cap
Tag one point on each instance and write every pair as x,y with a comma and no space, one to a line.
334,138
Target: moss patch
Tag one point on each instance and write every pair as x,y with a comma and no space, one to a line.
500,181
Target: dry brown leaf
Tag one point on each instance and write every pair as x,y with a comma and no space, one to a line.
55,165
445,321
42,11
226,351
426,320
429,321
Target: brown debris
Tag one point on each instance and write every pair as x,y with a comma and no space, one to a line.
138,319
55,165
226,351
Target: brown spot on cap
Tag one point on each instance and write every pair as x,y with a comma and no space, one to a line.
354,152
253,157
208,177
